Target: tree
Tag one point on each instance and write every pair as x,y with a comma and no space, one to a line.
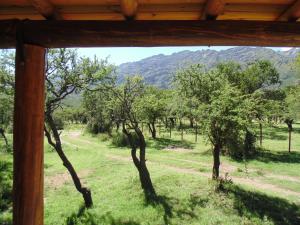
99,116
126,107
223,111
225,120
292,108
260,79
6,91
151,107
66,73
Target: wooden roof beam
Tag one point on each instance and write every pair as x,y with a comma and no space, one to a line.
129,8
46,9
212,9
64,33
292,13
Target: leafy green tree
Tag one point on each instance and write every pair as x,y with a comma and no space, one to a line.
66,73
292,109
126,107
6,91
152,107
223,111
99,116
260,79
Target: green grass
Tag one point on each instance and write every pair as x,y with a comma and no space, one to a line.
180,175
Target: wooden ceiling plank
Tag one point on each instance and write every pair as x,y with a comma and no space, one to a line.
129,8
213,9
46,9
292,13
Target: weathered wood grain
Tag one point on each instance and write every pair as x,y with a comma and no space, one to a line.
28,136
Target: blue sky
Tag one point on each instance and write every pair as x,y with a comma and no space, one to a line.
130,54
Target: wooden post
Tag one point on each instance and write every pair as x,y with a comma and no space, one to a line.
28,181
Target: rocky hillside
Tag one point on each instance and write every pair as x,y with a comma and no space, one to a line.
159,69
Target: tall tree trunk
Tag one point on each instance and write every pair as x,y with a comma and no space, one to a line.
152,129
216,166
196,133
181,129
140,163
260,134
290,139
86,193
289,123
172,120
191,122
2,132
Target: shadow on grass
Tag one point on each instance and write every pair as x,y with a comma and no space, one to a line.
86,217
254,204
277,157
275,134
169,210
162,143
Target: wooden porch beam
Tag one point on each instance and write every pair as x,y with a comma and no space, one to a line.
129,8
292,13
28,200
213,9
46,9
57,34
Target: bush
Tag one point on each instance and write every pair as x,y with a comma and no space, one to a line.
5,188
121,140
96,128
104,137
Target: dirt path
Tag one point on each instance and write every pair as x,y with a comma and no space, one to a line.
58,180
258,184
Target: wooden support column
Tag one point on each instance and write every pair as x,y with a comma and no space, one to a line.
28,136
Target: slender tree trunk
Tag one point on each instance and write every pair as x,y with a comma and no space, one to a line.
196,133
170,130
216,166
181,129
172,122
159,128
140,163
86,193
260,134
152,129
290,139
191,122
2,132
289,123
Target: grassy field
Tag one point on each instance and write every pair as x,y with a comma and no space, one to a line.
263,190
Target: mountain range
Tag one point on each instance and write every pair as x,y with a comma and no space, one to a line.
159,69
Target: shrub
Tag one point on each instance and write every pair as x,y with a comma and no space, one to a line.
104,137
5,186
121,140
94,127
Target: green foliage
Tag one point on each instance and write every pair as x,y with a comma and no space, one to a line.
120,139
97,108
5,191
151,106
6,88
